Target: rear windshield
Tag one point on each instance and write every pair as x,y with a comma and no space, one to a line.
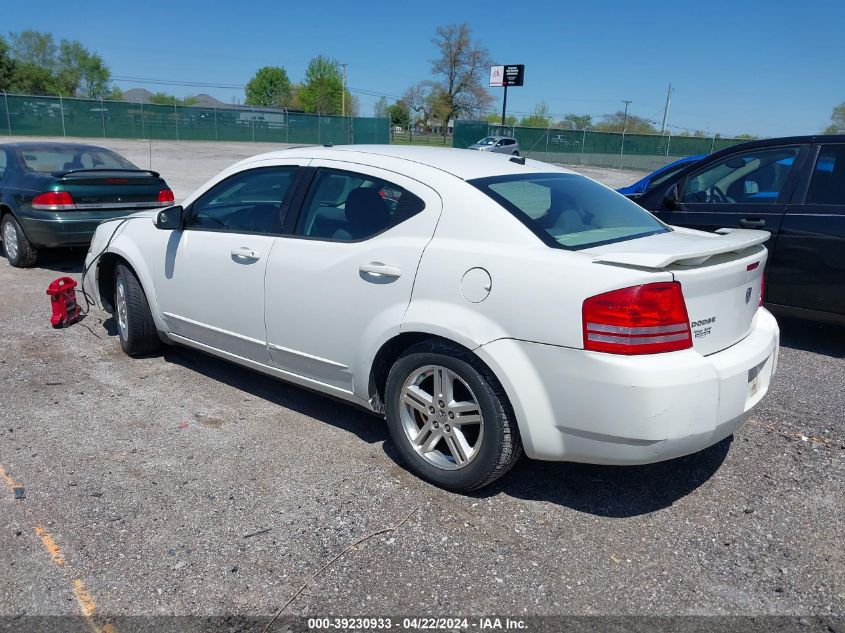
47,159
570,211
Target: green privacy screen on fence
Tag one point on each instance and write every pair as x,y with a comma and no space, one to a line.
604,149
22,115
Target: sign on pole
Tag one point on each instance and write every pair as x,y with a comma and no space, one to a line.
504,76
497,76
511,75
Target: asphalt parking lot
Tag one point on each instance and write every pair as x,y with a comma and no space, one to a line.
181,485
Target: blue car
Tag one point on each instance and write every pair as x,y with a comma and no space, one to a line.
655,178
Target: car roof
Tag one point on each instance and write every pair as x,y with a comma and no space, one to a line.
461,163
56,144
781,140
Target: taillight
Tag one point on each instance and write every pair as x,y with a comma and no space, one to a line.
762,288
647,319
53,201
165,197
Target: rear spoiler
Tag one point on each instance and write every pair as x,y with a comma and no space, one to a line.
61,173
696,251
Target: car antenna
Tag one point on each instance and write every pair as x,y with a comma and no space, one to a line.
519,160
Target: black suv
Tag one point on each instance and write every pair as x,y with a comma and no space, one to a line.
792,187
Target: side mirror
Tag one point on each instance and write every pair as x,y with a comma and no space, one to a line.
169,219
672,197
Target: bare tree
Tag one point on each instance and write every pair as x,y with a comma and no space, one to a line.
420,100
460,69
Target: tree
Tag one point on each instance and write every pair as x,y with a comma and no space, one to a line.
460,67
322,89
269,87
576,122
631,124
115,94
399,115
420,101
540,117
81,72
352,105
496,119
380,108
32,79
67,69
7,66
837,120
34,47
162,98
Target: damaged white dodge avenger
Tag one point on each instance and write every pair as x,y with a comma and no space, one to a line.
484,304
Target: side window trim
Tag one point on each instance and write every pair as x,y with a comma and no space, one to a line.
285,206
799,194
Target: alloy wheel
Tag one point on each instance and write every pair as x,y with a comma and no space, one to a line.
10,240
441,417
122,312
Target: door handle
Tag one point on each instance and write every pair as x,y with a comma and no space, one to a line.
245,253
752,223
377,268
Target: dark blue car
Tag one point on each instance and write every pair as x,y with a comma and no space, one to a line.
655,178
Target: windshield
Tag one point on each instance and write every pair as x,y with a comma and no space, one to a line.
569,210
47,159
487,140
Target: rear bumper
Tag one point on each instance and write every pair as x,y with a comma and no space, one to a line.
573,405
45,229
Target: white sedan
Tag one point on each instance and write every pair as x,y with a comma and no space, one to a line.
483,304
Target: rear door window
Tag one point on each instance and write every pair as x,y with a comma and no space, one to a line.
346,206
827,183
569,210
752,177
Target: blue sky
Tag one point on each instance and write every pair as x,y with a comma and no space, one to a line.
764,67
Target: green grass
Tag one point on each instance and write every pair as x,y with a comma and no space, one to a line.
433,140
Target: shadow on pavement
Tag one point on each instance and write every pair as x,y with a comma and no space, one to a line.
819,338
64,260
611,491
321,407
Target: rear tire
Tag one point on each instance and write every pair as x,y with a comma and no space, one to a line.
19,251
135,326
429,389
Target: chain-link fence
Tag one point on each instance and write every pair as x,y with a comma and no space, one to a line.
22,115
588,147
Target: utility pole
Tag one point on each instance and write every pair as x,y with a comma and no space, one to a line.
666,109
627,102
343,92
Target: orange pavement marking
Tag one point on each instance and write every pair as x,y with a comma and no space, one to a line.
50,545
86,602
7,479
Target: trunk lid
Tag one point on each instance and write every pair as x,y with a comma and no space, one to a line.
112,188
721,275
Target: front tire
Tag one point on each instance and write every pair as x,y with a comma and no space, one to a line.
135,326
19,251
449,418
